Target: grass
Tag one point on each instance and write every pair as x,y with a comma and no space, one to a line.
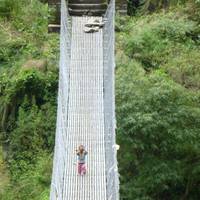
4,174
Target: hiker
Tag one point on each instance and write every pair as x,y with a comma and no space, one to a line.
81,153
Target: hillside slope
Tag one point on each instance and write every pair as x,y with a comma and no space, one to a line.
157,101
158,104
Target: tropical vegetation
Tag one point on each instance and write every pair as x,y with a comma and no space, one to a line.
157,99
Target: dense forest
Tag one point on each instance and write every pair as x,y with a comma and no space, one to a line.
157,99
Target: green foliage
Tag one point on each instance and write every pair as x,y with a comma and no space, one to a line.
28,133
28,90
8,8
153,5
10,42
193,10
157,107
31,136
4,173
31,85
33,19
149,6
161,40
159,136
184,68
26,32
34,183
30,16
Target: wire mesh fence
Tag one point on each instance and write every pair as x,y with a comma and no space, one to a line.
57,184
109,103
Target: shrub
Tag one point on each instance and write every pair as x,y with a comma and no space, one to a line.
33,20
156,39
184,68
8,8
30,137
34,183
30,84
159,136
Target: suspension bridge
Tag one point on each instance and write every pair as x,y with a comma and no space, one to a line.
86,109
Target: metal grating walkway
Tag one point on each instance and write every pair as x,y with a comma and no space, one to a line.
85,115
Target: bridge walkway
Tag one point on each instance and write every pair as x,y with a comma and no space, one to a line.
85,115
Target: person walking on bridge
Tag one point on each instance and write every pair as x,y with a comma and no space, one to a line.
81,153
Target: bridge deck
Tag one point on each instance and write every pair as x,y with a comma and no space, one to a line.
86,116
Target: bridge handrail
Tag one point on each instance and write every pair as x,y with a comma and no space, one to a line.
109,103
60,150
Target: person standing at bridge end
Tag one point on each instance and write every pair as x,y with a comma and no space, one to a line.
81,153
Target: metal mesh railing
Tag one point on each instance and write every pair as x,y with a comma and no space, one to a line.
57,184
109,103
